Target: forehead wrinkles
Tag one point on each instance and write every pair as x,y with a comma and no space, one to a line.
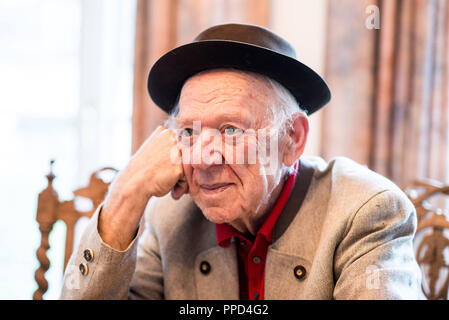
223,88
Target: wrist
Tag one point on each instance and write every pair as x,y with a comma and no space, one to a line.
120,216
115,236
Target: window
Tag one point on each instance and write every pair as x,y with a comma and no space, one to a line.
66,94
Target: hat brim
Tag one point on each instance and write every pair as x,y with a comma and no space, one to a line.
169,73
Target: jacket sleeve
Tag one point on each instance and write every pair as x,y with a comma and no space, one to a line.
108,273
375,259
134,273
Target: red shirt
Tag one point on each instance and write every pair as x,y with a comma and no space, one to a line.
252,253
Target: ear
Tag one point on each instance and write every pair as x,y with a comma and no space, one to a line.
180,188
296,138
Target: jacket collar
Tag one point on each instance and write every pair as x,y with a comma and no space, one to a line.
297,196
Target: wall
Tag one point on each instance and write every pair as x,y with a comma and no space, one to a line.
303,23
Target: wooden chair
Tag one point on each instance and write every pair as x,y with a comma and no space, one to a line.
431,239
50,209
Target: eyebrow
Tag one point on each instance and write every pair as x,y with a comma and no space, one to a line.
233,117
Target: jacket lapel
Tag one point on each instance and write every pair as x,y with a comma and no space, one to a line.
282,281
294,203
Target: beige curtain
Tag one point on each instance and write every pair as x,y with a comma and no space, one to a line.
390,87
161,25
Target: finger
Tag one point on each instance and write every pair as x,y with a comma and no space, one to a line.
158,130
148,140
175,155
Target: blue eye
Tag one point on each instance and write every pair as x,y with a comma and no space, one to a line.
231,130
187,132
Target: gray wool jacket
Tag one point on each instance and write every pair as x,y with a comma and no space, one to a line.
350,229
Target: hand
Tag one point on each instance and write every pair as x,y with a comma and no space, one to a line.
156,166
154,170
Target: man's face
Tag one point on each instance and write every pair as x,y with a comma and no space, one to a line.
220,114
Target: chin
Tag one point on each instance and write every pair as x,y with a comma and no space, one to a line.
218,215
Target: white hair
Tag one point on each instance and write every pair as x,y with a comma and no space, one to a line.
281,113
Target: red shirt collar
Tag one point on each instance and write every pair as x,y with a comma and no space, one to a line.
225,232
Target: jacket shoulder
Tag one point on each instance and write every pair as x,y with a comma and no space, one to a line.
349,177
345,186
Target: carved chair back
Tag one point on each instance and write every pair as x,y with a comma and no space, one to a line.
432,236
50,210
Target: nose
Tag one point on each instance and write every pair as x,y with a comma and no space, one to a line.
207,149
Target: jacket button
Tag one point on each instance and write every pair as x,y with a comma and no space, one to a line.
84,269
205,267
88,255
299,272
257,260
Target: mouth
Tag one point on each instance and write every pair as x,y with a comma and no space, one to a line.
214,188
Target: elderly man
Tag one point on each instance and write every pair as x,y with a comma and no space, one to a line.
233,209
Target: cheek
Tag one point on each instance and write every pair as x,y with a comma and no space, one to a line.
263,150
252,184
240,150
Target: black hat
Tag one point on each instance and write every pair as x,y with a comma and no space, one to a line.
239,46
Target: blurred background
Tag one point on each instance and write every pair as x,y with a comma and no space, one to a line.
73,89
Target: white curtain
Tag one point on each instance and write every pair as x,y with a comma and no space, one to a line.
66,94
